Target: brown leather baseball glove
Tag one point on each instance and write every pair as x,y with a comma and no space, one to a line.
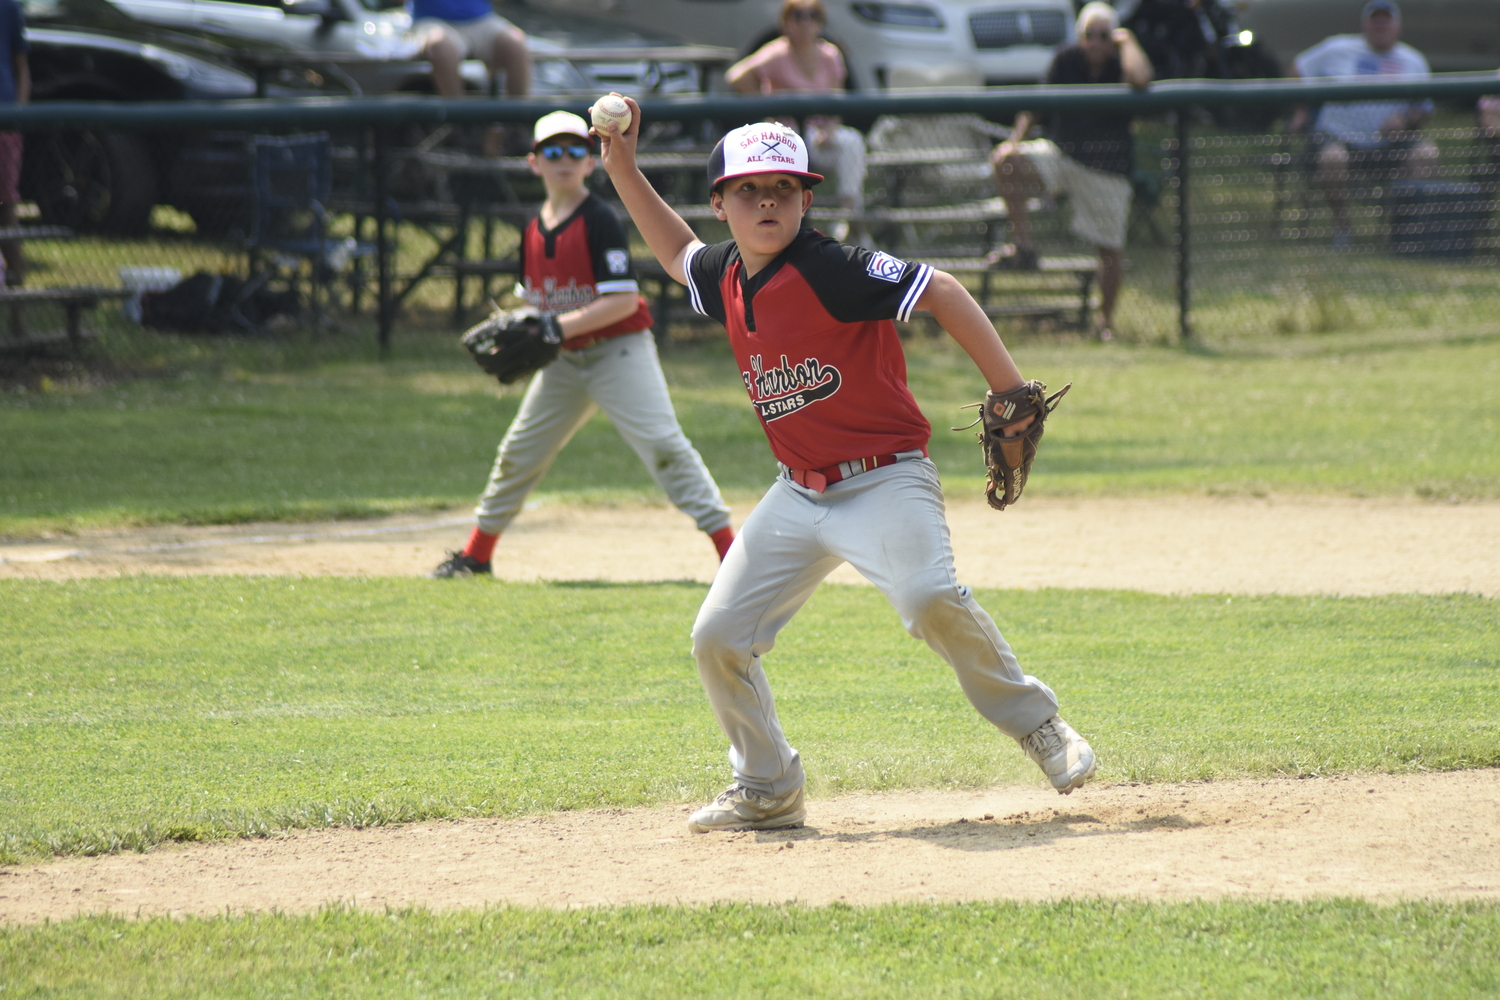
1008,458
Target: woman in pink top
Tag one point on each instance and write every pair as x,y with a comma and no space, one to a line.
801,61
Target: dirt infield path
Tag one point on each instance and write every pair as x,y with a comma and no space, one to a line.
1434,836
1172,545
1383,838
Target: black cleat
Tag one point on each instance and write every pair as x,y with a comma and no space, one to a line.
458,564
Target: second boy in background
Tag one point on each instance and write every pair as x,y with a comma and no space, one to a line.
575,265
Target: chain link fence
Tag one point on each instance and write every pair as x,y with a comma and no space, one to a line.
370,225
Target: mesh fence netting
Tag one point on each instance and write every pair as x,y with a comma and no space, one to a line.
281,228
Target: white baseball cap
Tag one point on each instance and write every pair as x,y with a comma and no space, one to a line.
559,123
762,148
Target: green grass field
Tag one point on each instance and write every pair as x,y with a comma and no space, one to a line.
1089,949
298,430
141,711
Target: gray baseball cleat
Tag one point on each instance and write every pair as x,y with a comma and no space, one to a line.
741,808
1064,757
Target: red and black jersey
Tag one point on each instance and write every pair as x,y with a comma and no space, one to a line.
586,256
817,347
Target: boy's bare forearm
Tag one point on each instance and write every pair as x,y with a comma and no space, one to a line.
956,312
662,229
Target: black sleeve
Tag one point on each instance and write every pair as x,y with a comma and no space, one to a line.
609,248
705,269
1055,71
857,284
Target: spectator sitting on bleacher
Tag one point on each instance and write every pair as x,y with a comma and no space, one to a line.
15,88
801,61
1089,156
1373,136
450,31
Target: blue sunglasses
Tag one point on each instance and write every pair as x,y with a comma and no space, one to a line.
556,152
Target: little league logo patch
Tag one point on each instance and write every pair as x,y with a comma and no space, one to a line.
785,389
618,261
885,267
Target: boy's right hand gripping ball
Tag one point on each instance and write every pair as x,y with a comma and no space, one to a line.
513,343
1008,458
610,108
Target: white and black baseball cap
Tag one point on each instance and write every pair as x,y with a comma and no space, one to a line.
762,148
559,123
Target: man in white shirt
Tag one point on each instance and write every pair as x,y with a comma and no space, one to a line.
1366,140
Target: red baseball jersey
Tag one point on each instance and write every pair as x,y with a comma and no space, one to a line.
814,335
586,256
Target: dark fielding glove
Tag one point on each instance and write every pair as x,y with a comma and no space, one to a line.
513,343
1008,459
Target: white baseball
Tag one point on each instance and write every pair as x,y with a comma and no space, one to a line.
610,108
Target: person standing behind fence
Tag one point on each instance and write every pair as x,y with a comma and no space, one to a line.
15,88
801,61
1089,156
450,31
1377,137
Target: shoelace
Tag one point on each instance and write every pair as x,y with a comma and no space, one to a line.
1045,741
728,794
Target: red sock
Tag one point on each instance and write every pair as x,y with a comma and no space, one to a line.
722,539
481,545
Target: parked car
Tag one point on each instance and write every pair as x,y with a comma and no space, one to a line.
910,43
368,49
1454,35
94,180
85,50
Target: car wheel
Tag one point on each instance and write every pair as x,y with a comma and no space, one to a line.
91,181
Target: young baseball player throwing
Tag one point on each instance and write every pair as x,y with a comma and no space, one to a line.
810,322
576,268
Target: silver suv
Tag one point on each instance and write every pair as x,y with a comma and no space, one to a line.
909,43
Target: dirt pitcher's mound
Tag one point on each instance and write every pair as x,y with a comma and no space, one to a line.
1431,836
1167,545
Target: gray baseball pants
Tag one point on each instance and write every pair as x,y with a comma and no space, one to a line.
889,524
623,377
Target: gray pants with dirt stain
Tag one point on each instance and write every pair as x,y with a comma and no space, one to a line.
622,377
889,524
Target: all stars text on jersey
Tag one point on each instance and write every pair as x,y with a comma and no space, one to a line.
783,390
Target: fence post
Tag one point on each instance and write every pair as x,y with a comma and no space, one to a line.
1184,274
382,243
